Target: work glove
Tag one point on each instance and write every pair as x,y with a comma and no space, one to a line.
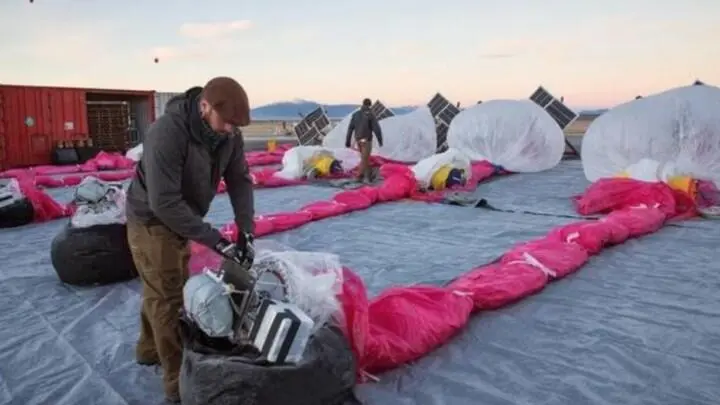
242,252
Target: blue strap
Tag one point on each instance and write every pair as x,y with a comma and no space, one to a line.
498,169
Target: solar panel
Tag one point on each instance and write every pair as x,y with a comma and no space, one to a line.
449,113
380,111
443,111
437,104
541,97
563,115
559,112
313,126
442,129
315,114
322,122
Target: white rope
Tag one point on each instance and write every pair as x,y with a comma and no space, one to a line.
529,259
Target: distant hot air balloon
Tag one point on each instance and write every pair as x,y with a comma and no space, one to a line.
157,60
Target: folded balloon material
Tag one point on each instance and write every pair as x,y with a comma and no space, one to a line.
516,134
98,203
410,137
301,160
606,195
435,171
679,128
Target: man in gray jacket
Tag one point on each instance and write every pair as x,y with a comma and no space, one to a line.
185,154
363,123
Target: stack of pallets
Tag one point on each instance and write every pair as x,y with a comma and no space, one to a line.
109,125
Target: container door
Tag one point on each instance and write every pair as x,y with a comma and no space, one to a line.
40,144
140,118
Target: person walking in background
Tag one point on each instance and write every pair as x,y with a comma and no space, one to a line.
186,152
363,124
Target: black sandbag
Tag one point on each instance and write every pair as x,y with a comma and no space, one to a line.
86,153
212,375
65,156
18,213
98,254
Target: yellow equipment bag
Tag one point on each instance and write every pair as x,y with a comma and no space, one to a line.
322,164
685,184
439,178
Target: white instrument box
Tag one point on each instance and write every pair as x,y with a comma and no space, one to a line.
281,332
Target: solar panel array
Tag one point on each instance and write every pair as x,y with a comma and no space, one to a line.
313,127
380,111
563,115
557,110
443,111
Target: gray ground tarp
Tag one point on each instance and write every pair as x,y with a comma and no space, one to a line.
640,324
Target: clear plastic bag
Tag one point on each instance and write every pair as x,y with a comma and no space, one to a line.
313,280
515,134
310,280
98,203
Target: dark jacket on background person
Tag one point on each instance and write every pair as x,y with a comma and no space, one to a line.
364,123
178,175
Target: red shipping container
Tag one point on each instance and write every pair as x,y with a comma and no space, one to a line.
33,119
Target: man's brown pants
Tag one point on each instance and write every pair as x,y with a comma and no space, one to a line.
161,258
365,148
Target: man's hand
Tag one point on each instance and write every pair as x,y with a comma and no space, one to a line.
242,253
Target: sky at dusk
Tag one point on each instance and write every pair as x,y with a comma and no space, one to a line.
594,53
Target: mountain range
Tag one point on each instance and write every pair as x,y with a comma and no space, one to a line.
293,110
